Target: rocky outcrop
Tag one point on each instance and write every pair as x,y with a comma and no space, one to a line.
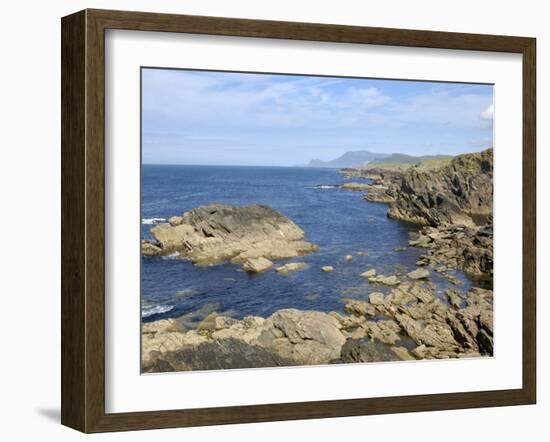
288,337
218,233
355,186
366,350
460,193
408,323
469,249
215,355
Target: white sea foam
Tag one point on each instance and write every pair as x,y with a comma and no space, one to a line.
323,186
155,310
171,255
153,220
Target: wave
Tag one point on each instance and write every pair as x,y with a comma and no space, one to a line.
151,310
323,186
171,255
153,220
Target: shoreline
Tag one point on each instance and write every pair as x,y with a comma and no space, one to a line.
409,323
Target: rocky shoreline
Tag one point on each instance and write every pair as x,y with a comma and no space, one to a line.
408,324
452,207
250,236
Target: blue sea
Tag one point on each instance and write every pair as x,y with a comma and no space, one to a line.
339,221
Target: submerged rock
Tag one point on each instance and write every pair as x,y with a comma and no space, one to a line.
386,280
369,273
257,265
418,274
218,233
355,186
291,267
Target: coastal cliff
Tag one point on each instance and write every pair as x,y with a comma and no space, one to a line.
458,193
453,202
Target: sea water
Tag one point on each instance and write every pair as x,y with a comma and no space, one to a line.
339,221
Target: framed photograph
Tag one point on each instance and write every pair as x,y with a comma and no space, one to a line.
270,220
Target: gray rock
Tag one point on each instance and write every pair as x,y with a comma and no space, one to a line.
216,355
418,274
257,265
360,308
217,233
376,298
485,342
366,350
291,267
299,325
149,249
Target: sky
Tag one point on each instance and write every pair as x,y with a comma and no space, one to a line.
223,118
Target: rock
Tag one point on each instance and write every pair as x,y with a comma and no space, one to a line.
421,293
420,351
486,321
164,336
355,186
468,249
299,325
218,233
385,331
454,297
453,280
257,265
360,308
366,350
418,274
209,323
348,257
311,337
376,298
379,197
216,355
386,280
402,353
149,249
327,269
369,273
456,193
437,334
485,342
460,333
175,220
291,267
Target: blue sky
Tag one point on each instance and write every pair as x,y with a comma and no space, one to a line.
199,117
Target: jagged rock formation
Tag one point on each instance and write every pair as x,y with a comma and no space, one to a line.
246,235
381,329
459,193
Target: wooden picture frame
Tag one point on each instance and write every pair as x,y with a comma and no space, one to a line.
83,220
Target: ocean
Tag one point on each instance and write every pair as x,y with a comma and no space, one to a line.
339,221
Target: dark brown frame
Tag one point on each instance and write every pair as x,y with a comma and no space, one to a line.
83,217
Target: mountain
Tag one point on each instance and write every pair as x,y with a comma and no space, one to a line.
354,158
402,159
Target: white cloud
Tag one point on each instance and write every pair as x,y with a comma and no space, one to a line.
488,113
